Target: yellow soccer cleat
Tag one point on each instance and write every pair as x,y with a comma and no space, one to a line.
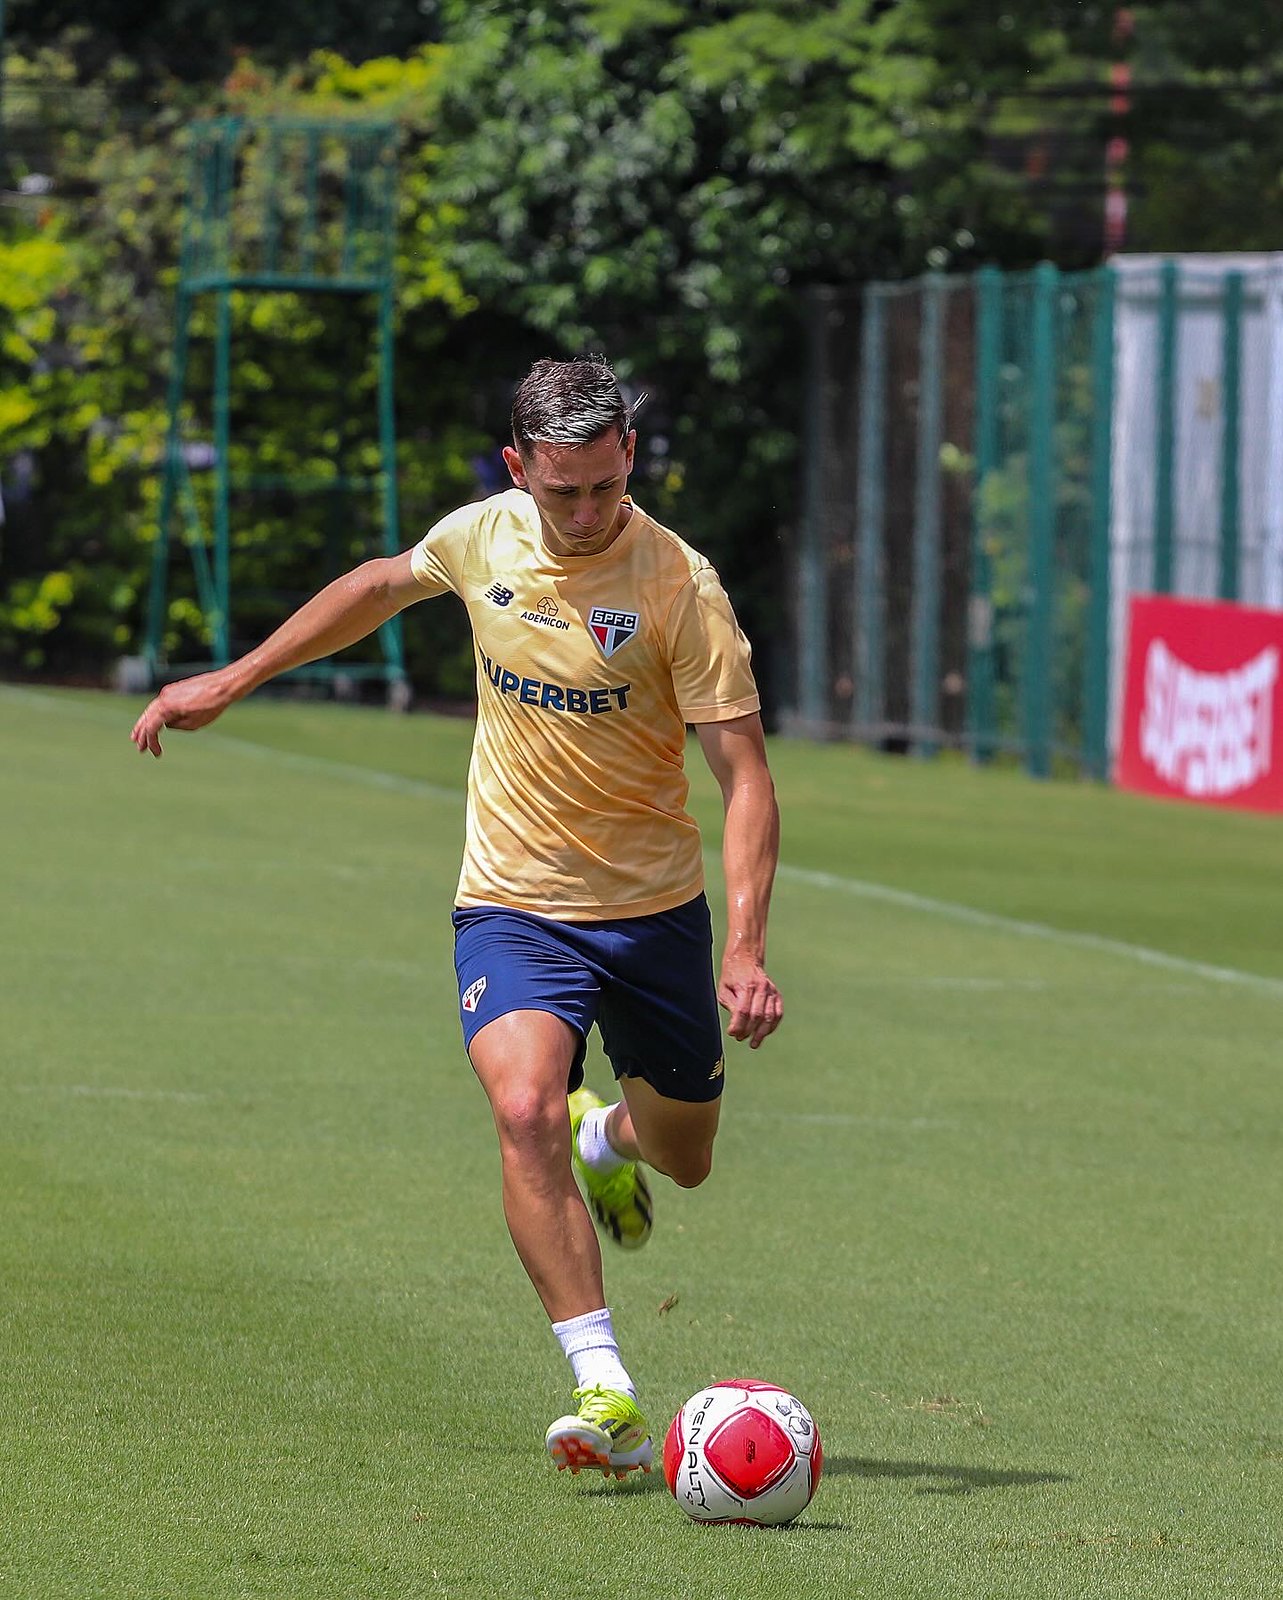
607,1433
619,1201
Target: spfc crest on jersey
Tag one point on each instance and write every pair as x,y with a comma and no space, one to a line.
611,628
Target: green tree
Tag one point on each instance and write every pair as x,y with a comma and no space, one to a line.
199,40
661,181
1205,170
89,283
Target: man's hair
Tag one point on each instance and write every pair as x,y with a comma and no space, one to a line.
570,402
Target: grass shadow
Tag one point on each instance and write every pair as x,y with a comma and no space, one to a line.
948,1479
640,1484
635,1483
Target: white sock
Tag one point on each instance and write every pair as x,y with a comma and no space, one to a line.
589,1344
595,1149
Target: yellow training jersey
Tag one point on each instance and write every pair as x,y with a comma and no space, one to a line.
588,670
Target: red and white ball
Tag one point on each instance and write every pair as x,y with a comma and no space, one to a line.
743,1451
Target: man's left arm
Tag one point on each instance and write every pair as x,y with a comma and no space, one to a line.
736,752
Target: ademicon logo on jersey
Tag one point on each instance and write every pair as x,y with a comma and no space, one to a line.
1208,734
611,628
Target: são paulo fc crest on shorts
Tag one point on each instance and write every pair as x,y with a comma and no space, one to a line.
611,628
473,993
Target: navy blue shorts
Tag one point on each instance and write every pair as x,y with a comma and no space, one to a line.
647,982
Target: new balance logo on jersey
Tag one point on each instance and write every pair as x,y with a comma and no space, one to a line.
473,993
611,628
500,595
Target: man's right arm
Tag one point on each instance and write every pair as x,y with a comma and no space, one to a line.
347,610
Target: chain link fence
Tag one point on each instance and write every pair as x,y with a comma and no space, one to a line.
995,463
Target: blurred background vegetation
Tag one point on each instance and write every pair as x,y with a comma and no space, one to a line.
660,180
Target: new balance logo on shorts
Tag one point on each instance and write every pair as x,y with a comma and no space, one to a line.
500,594
473,993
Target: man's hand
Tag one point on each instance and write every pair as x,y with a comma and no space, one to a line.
187,705
753,1001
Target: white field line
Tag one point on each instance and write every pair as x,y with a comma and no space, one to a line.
828,882
343,771
993,922
93,1091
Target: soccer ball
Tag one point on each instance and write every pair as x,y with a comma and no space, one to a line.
743,1451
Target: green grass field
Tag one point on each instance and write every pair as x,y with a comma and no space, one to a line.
1001,1201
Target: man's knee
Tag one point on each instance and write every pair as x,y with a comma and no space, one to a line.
686,1167
522,1059
531,1124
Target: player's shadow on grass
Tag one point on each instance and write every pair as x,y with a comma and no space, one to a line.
947,1480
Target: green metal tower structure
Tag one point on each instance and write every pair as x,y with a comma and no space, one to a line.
301,206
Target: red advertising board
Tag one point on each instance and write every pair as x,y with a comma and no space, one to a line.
1203,703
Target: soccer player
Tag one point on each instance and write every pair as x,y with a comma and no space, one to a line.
599,636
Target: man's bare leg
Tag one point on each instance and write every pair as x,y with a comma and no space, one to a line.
674,1137
523,1060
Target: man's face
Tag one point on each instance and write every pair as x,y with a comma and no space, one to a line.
578,489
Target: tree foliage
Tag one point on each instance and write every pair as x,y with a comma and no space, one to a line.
1204,127
83,412
666,188
659,179
200,40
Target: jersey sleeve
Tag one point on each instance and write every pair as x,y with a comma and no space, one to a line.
437,559
710,655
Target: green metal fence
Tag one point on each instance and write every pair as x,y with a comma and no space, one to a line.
995,463
299,207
